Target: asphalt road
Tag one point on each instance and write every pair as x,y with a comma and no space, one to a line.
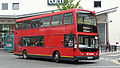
107,60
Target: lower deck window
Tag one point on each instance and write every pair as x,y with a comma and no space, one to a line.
35,41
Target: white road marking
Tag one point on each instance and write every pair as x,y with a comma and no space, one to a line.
101,58
112,60
106,59
116,61
104,66
114,55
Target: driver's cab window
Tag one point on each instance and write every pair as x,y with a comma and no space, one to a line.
87,41
69,40
84,40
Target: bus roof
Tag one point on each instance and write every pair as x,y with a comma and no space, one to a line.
54,13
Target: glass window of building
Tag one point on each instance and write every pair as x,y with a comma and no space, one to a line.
4,6
5,27
11,28
97,4
102,33
15,6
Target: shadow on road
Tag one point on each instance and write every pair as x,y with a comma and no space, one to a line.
78,63
62,61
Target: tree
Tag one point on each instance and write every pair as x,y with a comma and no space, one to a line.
68,5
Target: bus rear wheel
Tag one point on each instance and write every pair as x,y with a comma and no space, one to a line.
56,57
25,54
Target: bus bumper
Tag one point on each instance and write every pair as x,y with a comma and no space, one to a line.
86,57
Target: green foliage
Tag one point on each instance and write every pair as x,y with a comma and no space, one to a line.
68,5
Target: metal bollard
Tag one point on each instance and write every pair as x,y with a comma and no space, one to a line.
115,48
109,48
101,49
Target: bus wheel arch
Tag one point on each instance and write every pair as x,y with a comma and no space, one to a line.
25,54
56,56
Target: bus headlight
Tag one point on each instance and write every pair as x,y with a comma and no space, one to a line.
97,53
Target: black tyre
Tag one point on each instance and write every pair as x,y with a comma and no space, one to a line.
25,54
56,57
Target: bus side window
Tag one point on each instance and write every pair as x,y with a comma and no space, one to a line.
32,40
37,41
68,18
56,20
35,23
20,25
40,41
68,40
17,25
26,41
27,24
45,22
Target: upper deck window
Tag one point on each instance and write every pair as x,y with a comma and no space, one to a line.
45,22
56,20
19,25
84,17
68,18
26,24
35,23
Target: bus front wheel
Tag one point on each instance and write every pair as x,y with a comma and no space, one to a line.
25,54
56,57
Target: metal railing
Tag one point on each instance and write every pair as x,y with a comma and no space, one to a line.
108,48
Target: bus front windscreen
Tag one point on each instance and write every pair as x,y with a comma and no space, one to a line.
86,22
86,41
84,17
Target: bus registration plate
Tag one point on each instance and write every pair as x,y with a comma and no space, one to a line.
89,57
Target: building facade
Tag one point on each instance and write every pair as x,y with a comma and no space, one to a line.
107,16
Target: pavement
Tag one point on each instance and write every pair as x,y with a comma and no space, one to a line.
2,49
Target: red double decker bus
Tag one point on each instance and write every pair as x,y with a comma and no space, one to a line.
70,34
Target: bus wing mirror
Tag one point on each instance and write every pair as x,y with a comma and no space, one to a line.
71,36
